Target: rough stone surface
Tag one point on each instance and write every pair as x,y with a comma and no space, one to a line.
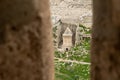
67,39
10,11
61,29
106,40
26,49
72,11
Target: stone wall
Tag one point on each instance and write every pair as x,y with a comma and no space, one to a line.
24,40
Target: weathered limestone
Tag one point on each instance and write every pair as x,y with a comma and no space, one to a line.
105,53
77,11
67,39
55,2
26,49
61,26
77,36
61,29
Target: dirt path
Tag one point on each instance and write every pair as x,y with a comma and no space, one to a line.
72,61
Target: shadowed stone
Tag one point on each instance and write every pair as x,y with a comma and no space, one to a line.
26,49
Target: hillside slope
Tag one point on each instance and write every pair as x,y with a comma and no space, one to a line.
72,11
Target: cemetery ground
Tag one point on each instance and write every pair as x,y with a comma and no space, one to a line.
74,64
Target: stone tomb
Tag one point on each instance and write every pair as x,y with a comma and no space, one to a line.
67,39
61,28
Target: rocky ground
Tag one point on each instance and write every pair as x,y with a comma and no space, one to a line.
72,11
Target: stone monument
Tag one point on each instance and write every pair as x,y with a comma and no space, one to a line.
67,39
